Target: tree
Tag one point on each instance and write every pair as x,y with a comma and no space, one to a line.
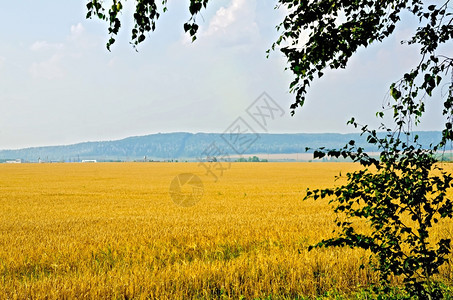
402,180
146,14
401,195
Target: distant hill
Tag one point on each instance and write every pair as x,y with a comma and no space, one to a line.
190,146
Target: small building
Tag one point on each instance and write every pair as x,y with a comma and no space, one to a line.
17,161
89,160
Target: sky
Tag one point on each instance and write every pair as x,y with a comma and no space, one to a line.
60,85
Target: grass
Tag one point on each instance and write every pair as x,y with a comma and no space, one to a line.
110,230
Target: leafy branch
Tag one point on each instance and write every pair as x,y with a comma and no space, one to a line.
401,195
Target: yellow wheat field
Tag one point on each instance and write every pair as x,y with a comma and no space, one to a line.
111,230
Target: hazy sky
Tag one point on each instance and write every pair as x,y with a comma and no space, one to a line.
59,84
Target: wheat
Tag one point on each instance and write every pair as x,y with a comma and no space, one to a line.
110,230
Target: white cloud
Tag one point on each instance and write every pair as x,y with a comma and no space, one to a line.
234,25
81,40
77,30
62,54
223,18
48,69
44,45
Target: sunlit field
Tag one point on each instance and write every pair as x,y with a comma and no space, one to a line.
111,230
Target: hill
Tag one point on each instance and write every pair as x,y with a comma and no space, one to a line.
190,146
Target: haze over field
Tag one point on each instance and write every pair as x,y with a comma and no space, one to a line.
59,84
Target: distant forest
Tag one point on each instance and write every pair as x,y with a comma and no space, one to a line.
190,146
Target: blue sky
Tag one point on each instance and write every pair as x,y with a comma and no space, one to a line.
59,84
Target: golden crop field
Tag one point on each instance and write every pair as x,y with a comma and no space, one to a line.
111,230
